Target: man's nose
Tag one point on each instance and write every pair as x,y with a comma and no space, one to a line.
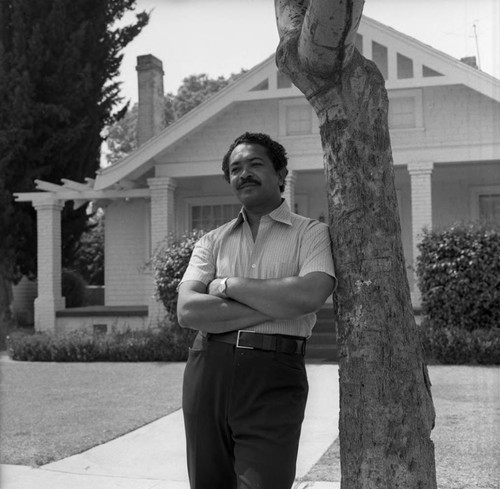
246,171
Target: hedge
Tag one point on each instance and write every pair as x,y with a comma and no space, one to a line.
455,346
166,344
169,343
458,272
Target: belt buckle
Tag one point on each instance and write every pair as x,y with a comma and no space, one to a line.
238,340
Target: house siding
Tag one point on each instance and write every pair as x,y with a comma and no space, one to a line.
211,140
459,115
126,253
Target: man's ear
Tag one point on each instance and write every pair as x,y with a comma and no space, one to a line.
282,176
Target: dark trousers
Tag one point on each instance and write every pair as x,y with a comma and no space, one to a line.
243,411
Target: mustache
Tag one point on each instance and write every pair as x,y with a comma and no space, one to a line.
248,180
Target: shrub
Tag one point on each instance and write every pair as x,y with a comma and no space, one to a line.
457,346
169,263
163,345
458,273
74,288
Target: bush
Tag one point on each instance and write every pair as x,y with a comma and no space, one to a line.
167,344
74,288
457,346
458,273
169,263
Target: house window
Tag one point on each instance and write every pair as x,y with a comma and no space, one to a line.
298,120
485,203
207,217
489,207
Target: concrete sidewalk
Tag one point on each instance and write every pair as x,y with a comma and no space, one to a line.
153,457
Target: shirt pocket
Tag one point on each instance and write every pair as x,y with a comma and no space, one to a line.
225,268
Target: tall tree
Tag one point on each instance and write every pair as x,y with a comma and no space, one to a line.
386,409
58,61
195,89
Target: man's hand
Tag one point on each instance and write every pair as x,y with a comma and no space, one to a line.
198,309
214,288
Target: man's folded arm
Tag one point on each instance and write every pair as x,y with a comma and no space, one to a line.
198,310
282,298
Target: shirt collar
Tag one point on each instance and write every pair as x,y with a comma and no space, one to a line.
281,214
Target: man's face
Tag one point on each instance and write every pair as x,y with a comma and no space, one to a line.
253,178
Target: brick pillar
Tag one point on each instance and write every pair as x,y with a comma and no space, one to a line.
289,193
162,225
421,207
49,299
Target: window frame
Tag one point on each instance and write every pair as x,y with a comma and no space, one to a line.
475,193
190,202
416,95
283,110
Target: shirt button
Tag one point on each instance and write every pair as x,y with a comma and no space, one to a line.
254,265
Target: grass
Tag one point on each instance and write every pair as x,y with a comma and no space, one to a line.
50,411
466,435
53,410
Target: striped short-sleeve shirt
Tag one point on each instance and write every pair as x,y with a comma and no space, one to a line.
286,245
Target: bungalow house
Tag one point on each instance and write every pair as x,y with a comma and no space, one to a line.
445,132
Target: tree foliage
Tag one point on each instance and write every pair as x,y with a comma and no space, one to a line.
89,255
195,89
58,60
121,137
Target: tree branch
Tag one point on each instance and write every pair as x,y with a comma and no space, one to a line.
325,31
290,15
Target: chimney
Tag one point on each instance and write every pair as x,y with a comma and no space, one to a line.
470,60
150,120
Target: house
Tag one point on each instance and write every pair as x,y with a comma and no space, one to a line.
445,132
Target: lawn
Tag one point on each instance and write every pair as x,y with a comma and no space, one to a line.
50,411
466,435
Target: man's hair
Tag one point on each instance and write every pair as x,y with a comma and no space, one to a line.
275,151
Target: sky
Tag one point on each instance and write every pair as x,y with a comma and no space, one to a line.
220,37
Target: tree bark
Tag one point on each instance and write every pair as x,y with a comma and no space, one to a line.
386,409
6,317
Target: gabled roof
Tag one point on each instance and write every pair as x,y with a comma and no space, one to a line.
404,61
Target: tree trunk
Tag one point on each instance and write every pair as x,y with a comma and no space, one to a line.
386,409
6,317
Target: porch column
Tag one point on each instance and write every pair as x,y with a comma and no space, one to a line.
162,225
289,193
421,207
49,299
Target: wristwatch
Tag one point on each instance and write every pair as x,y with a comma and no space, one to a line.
222,287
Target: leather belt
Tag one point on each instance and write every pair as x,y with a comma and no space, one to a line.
251,340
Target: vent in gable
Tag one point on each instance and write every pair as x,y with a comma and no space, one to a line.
358,42
284,81
405,67
427,72
380,58
263,85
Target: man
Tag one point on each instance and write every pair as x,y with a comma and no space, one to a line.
252,288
